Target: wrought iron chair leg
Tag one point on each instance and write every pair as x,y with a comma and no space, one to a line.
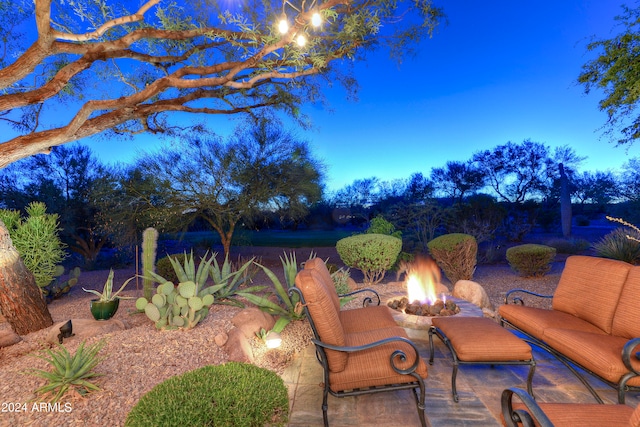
420,404
325,407
532,369
431,347
454,374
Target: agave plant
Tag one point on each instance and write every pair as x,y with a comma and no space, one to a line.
69,372
292,309
227,282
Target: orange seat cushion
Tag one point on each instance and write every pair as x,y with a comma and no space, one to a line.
478,339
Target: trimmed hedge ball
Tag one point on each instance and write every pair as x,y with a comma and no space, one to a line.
531,260
233,394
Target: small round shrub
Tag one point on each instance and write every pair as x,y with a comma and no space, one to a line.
373,254
166,270
531,260
233,394
616,245
456,254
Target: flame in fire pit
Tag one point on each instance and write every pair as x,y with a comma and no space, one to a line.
422,276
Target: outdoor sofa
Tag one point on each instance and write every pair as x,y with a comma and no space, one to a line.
594,321
361,350
525,411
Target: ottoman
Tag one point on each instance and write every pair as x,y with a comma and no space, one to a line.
479,340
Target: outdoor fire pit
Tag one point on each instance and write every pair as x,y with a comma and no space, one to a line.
416,308
440,307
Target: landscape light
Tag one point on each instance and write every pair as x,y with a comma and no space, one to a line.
301,40
273,340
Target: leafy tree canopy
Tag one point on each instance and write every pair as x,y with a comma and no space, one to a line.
616,72
80,68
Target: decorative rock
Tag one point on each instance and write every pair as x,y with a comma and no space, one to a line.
472,292
352,284
85,328
221,339
8,337
251,320
238,347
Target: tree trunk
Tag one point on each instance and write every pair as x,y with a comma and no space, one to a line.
21,300
565,203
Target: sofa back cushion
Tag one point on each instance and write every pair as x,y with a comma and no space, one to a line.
626,322
317,264
324,316
590,288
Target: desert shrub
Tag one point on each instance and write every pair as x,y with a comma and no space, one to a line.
36,240
456,254
373,254
379,225
165,269
569,246
531,260
616,245
233,394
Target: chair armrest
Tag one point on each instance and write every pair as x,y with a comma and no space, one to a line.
526,417
367,300
395,355
518,299
629,351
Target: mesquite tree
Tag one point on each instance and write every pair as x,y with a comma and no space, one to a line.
96,66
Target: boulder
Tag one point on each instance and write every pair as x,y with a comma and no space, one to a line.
221,339
238,347
8,337
472,292
251,320
85,328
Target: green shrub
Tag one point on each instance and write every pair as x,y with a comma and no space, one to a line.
165,269
379,225
531,260
569,246
373,254
456,254
36,240
616,245
233,394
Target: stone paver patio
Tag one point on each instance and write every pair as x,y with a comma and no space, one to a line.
479,389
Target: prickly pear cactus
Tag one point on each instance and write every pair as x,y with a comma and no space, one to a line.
149,247
175,307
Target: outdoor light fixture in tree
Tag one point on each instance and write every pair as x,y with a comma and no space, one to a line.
71,70
316,19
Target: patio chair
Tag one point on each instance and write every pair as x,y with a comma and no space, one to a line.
527,412
361,362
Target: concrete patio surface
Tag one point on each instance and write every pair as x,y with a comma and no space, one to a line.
479,389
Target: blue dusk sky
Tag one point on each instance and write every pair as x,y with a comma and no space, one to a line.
498,71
